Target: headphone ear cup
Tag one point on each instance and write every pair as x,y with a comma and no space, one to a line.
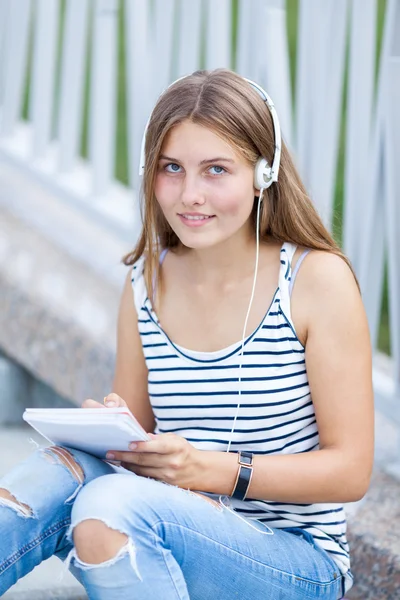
262,174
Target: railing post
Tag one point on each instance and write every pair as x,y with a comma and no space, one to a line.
190,31
43,74
328,103
392,120
218,34
262,54
161,45
15,57
273,47
371,220
103,92
5,7
360,97
138,81
305,86
245,59
74,54
319,85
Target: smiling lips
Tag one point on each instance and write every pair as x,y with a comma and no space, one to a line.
195,219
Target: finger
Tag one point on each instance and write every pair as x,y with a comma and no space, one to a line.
112,400
89,403
162,443
137,458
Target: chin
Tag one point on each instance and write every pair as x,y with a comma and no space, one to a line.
197,242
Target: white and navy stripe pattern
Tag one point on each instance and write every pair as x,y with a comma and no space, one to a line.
195,395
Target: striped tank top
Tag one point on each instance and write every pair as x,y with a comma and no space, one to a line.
195,395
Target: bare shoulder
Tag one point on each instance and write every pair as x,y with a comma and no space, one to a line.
128,339
127,292
324,286
326,272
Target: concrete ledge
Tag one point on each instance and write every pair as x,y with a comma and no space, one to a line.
39,585
53,347
59,300
374,538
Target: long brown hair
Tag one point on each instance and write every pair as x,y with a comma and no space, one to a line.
226,103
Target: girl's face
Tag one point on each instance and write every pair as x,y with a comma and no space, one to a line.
204,187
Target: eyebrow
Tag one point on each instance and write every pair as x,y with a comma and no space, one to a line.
203,162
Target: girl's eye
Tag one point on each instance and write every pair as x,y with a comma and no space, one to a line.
174,168
219,170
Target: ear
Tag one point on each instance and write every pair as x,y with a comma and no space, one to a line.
257,194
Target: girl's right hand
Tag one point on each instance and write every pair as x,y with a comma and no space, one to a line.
110,401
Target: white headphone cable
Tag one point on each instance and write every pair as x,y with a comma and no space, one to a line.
248,310
247,521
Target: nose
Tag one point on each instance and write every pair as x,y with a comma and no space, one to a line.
192,193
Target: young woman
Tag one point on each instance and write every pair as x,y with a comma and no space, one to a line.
221,366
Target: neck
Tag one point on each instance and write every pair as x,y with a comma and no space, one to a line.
227,263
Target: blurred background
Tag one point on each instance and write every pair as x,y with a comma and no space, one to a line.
78,80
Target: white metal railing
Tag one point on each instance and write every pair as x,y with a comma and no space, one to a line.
360,103
165,39
390,207
262,54
319,93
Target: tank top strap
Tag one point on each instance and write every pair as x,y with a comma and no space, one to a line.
161,260
162,255
140,291
138,284
296,269
287,252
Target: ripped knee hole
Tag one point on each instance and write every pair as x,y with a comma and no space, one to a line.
67,459
50,453
9,499
96,542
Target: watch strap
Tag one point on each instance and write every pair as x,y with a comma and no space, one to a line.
245,471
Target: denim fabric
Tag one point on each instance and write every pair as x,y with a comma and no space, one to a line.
180,545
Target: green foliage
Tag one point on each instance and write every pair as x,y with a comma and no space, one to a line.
122,123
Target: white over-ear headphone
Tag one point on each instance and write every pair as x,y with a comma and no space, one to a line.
264,174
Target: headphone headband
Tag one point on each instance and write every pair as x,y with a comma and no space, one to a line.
264,174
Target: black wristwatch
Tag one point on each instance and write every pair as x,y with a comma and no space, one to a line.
245,472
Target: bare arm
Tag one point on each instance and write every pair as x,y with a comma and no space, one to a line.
338,361
131,376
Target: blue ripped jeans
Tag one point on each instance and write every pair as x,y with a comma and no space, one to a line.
179,545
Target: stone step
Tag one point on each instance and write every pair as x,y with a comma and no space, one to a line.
374,538
43,583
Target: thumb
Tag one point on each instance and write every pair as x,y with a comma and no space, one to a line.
113,400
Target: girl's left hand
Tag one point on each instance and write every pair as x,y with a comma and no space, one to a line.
167,457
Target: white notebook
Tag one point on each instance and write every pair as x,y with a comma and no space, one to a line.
93,430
